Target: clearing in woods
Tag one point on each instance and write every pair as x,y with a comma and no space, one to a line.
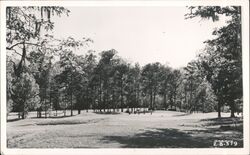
162,129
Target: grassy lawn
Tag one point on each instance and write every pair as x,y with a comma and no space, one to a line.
162,129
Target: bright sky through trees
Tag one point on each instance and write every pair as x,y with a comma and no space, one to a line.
139,34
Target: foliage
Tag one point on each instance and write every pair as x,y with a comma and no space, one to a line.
222,60
25,93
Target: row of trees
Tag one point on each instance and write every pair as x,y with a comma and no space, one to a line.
83,82
221,61
49,76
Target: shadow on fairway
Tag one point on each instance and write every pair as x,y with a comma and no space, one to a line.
14,119
52,117
43,118
159,138
212,134
166,138
222,121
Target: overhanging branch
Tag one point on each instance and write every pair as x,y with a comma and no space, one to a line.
11,47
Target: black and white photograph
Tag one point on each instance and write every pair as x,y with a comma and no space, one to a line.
128,76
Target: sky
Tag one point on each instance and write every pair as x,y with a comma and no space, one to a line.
139,34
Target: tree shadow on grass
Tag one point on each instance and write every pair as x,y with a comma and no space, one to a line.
225,124
34,117
14,119
213,134
165,138
159,138
52,117
222,121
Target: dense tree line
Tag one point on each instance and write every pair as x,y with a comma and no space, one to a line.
221,62
47,75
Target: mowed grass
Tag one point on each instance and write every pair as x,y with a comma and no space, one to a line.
162,129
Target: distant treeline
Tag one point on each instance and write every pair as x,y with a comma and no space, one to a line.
46,75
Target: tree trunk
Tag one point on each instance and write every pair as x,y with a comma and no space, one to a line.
39,115
79,111
165,101
151,100
121,97
19,69
232,107
219,110
23,115
171,102
203,106
87,100
180,105
71,97
45,103
191,94
174,100
185,95
154,94
23,111
50,103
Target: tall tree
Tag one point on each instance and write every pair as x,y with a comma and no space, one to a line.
103,72
222,62
121,70
150,81
199,94
25,94
165,75
67,62
174,79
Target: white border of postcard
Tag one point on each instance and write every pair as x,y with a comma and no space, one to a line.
103,3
